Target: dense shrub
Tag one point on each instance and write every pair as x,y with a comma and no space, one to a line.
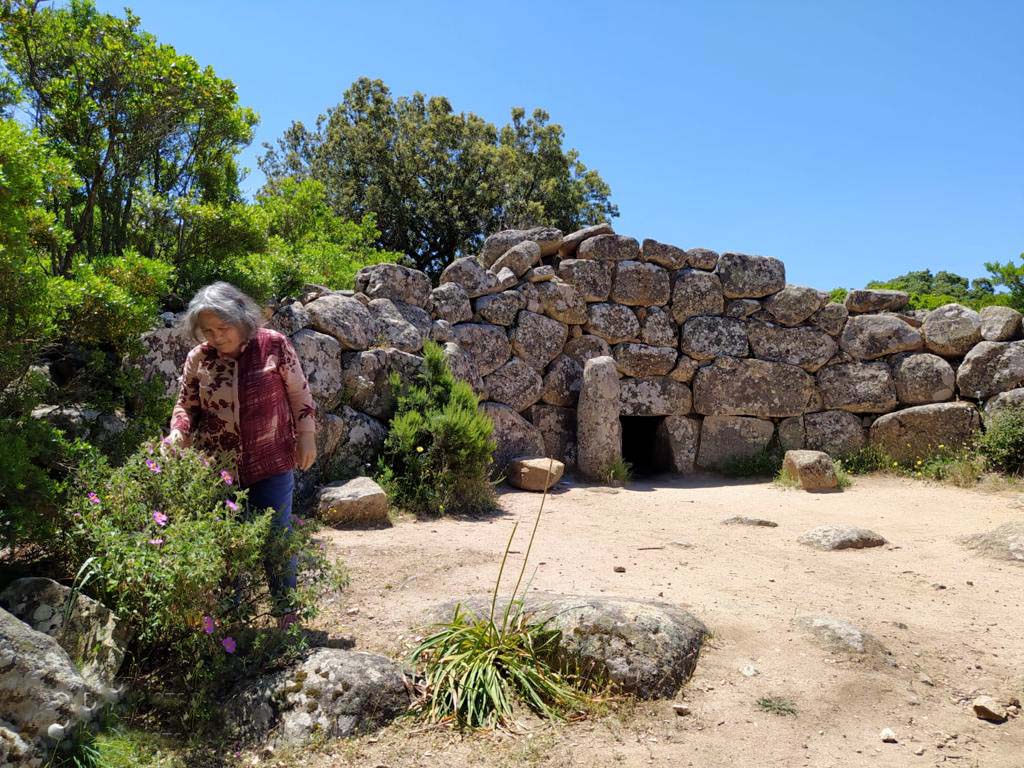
438,450
1002,444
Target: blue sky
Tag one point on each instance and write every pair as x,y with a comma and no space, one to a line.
852,140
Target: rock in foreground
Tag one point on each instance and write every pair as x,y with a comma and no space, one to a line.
359,501
535,474
831,537
812,469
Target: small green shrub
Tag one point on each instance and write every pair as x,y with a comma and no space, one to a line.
438,451
868,459
777,705
766,463
1002,443
785,479
618,472
843,479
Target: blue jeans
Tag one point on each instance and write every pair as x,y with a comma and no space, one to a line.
275,492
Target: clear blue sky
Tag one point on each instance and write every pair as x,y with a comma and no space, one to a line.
852,140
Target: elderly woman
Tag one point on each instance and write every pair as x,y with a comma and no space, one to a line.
244,402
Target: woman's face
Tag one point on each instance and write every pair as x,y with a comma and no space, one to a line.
223,336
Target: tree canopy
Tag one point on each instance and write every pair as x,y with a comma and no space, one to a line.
438,181
928,290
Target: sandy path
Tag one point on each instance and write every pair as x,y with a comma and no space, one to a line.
940,610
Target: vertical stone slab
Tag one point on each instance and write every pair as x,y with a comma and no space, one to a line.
598,431
676,443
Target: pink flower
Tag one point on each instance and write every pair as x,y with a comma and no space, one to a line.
149,449
159,518
229,644
226,477
93,498
298,520
153,467
208,624
231,505
156,542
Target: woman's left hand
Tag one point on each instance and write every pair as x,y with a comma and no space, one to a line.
305,450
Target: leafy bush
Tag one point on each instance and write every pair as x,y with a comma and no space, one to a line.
1002,443
868,459
438,450
166,547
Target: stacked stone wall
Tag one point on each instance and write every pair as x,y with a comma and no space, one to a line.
736,359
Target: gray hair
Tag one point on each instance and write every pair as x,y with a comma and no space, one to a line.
229,304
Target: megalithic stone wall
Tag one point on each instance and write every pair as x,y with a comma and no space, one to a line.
738,358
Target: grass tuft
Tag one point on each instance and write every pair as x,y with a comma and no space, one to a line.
777,705
619,472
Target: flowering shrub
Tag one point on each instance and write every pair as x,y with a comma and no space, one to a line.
169,549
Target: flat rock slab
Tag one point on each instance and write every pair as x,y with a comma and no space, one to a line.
839,635
534,474
359,501
332,692
1003,543
643,648
831,537
812,469
757,522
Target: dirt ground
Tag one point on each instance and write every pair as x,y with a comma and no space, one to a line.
952,621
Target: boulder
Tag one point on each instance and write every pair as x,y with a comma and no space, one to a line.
658,329
990,368
702,258
655,396
471,276
80,421
837,433
320,356
922,378
609,248
737,387
833,537
706,337
538,339
547,239
536,474
360,441
1005,542
463,367
519,258
289,319
562,381
487,345
951,330
746,276
395,282
513,435
541,274
612,322
164,353
857,387
1004,401
741,309
831,319
366,376
598,430
642,360
676,442
806,348
868,337
441,330
359,502
696,293
917,432
640,284
570,243
592,279
515,384
557,427
667,256
562,302
1000,324
839,635
725,438
794,304
451,303
587,347
399,325
875,300
791,433
346,319
812,469
500,308
331,693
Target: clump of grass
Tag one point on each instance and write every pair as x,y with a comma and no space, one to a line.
619,472
962,468
868,459
477,669
843,479
766,463
777,705
786,479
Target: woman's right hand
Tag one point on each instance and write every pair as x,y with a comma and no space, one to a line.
177,439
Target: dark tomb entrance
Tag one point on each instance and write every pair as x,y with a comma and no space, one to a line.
640,445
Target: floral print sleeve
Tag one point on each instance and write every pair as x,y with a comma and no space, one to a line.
299,397
187,406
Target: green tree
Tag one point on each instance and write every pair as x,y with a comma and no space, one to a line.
438,181
928,291
1011,277
147,130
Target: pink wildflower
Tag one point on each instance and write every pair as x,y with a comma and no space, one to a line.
153,467
159,518
226,477
156,542
93,498
231,505
208,624
298,520
229,644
